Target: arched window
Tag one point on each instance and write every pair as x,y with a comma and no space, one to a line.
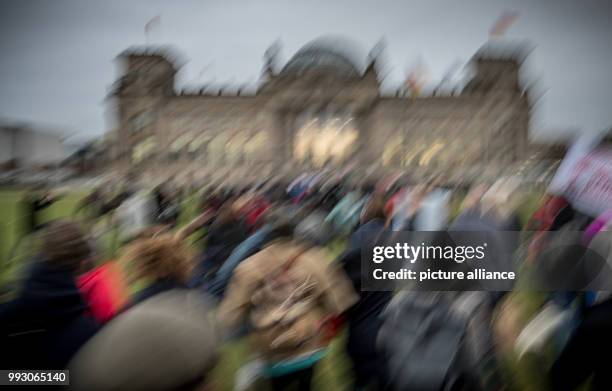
255,146
180,144
430,157
234,148
143,149
216,148
322,139
392,154
198,145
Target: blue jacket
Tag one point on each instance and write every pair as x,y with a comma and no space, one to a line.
250,246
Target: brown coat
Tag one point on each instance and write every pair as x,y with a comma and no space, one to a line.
332,294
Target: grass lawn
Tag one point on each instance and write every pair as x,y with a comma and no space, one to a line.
12,218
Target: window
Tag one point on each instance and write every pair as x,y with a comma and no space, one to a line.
235,147
198,145
143,149
321,140
140,121
255,146
393,151
216,148
179,144
431,155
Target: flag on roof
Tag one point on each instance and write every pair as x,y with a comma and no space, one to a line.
503,23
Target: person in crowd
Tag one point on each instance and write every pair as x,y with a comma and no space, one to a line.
396,205
499,204
91,205
287,293
393,195
448,347
493,211
167,340
168,206
344,216
493,217
278,225
540,323
407,209
439,336
35,203
161,262
160,198
49,321
553,213
105,290
225,233
587,352
135,212
113,199
363,317
470,206
213,200
331,195
300,188
586,342
372,219
252,207
433,212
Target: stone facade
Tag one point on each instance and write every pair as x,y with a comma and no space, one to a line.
322,109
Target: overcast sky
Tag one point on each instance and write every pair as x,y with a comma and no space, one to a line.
56,59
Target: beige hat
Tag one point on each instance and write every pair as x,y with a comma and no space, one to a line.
162,343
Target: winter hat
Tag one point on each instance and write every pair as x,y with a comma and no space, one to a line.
163,343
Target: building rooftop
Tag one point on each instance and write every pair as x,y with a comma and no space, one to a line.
166,52
503,50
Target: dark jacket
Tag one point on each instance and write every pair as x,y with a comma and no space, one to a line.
250,246
156,288
363,317
222,240
587,352
47,323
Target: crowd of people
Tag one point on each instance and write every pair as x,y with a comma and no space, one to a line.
280,263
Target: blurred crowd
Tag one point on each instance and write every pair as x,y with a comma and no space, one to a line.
280,264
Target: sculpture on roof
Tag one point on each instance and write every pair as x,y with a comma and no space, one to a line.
271,59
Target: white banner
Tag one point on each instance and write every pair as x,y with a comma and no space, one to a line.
589,182
579,149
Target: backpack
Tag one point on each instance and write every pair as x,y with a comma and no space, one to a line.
281,302
422,342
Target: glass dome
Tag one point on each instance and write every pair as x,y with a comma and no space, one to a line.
328,54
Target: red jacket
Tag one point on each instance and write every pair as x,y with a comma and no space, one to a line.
105,290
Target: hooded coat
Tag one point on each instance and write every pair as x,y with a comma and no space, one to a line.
47,323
